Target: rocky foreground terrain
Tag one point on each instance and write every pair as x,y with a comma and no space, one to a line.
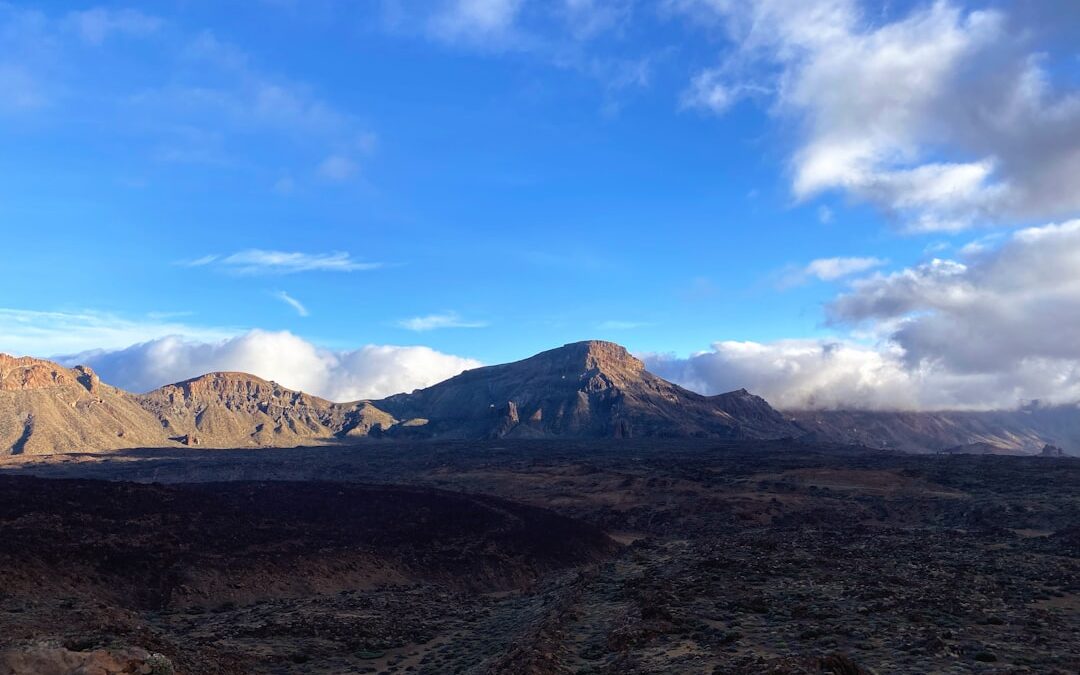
543,557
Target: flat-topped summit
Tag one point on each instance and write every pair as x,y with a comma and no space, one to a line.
24,373
589,355
233,388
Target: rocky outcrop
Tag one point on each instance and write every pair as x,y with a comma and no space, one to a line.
1051,451
50,660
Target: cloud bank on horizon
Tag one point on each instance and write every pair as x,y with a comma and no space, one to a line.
936,122
371,371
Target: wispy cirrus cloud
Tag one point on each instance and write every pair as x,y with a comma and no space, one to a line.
261,261
292,302
428,322
829,269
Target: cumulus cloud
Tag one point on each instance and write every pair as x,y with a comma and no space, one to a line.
994,329
372,371
796,374
945,118
434,321
1001,309
842,374
261,261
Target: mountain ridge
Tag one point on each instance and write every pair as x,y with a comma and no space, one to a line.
588,389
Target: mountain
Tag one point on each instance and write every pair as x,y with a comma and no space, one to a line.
1023,431
587,389
583,389
236,410
46,408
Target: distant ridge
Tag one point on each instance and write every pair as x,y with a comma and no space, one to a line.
590,389
1025,431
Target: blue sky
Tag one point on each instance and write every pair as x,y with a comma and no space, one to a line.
489,178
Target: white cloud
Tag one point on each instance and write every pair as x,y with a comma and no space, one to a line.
39,333
435,321
711,90
830,374
261,261
943,117
292,302
1002,308
993,329
372,371
94,26
829,269
796,374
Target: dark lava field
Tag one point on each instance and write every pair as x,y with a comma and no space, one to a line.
540,557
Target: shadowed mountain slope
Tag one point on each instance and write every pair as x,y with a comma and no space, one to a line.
1023,431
